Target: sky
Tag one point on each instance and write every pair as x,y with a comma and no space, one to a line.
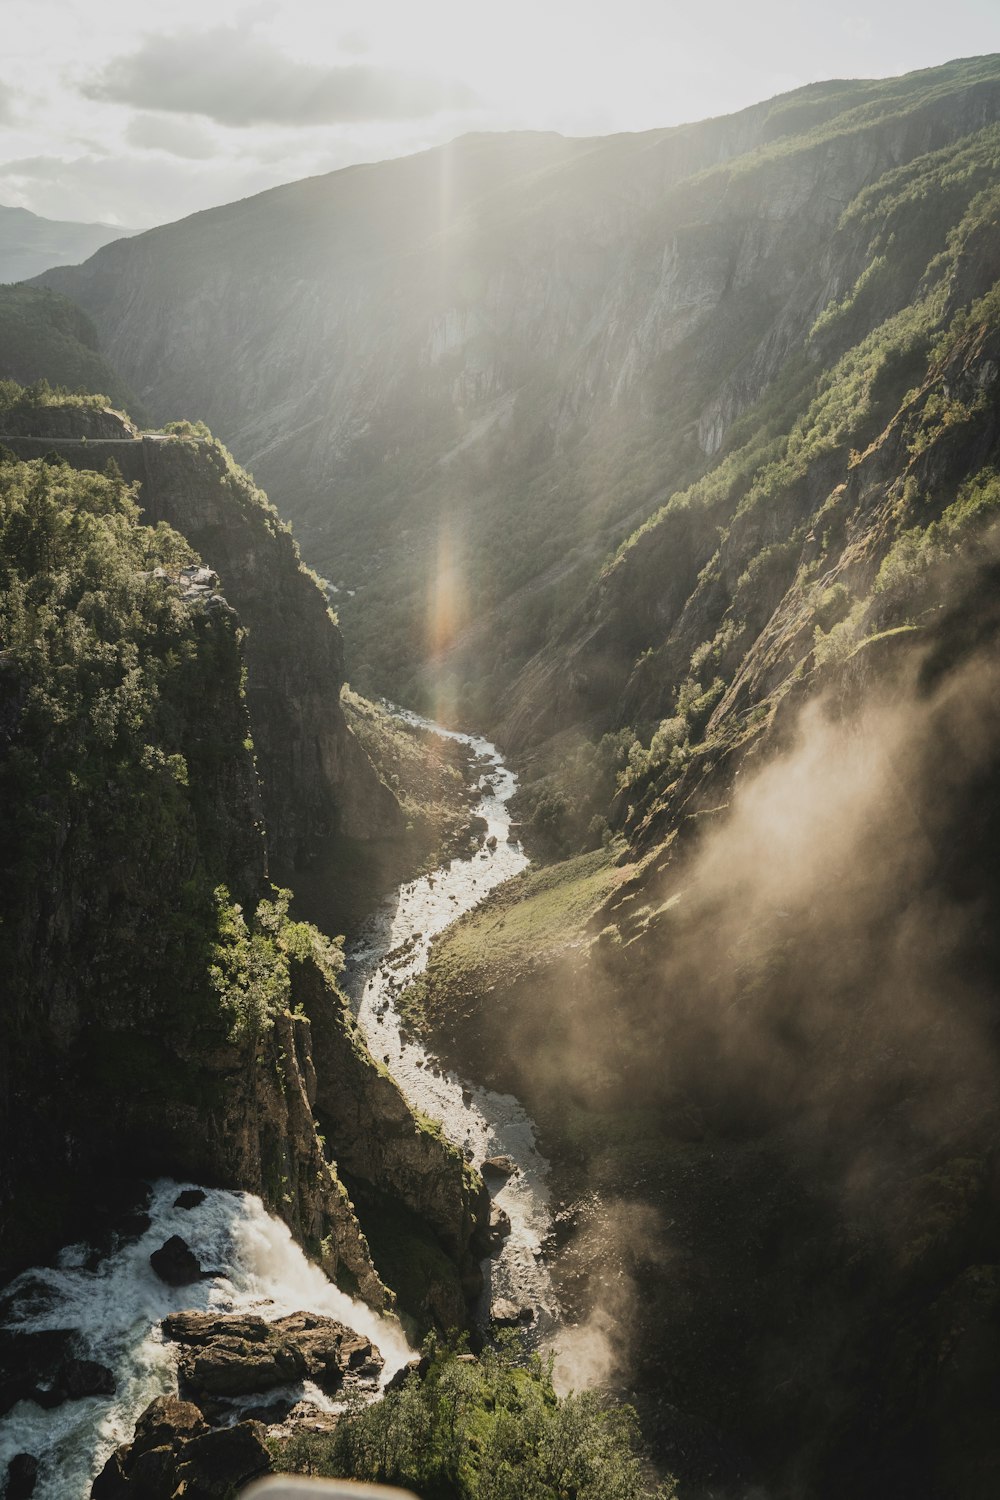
133,115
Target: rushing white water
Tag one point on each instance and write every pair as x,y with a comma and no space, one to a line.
393,950
117,1309
117,1306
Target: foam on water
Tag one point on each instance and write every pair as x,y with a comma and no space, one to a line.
392,951
117,1309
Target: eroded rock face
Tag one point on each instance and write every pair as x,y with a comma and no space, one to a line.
243,1355
174,1451
175,1262
44,1367
380,1141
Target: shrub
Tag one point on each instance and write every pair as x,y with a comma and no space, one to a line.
491,1429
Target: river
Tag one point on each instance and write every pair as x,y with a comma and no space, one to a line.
390,952
116,1304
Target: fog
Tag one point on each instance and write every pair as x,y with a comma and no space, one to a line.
811,971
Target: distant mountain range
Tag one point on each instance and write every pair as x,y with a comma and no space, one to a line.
467,376
30,244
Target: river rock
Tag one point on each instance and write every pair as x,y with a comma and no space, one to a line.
243,1355
44,1367
218,1462
499,1226
176,1263
417,1367
499,1166
22,1472
190,1198
175,1452
85,1377
508,1314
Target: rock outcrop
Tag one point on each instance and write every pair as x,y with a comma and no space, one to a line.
240,1355
46,1368
317,782
141,848
175,1451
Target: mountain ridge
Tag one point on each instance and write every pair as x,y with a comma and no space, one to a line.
503,331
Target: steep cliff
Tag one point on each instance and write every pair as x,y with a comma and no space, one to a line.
158,1000
759,1027
318,783
469,374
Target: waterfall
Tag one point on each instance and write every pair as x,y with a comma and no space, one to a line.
118,1305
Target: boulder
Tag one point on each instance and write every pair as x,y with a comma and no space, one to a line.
176,1263
112,1482
243,1355
329,1348
175,1452
507,1314
222,1461
153,1474
167,1420
22,1471
190,1198
85,1377
237,1367
44,1367
499,1166
418,1367
499,1226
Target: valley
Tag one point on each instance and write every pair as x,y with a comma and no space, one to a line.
555,908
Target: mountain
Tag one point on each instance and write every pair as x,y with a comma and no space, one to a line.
46,337
757,1019
468,375
162,759
30,244
674,459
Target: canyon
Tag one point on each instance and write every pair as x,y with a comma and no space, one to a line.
670,463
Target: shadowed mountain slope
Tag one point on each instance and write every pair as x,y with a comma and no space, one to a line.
472,372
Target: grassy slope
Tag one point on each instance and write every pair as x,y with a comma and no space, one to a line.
44,336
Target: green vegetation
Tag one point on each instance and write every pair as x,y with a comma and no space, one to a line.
46,338
430,776
111,761
486,1429
536,917
566,802
251,972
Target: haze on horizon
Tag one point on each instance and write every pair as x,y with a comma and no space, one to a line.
116,114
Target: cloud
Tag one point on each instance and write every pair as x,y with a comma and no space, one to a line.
353,42
121,189
178,137
236,79
7,97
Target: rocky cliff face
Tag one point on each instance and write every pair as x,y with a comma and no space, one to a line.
471,373
158,1008
857,442
317,782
